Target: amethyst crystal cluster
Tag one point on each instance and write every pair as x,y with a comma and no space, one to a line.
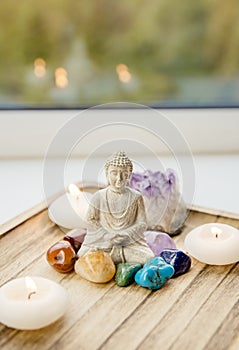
165,208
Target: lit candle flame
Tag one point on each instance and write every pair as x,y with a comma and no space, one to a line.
74,190
216,231
31,286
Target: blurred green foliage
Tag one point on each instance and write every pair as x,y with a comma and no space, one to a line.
172,50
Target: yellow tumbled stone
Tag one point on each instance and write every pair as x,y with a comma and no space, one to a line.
95,266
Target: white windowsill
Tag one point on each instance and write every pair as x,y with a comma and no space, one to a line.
29,133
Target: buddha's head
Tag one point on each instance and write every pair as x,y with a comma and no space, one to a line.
118,170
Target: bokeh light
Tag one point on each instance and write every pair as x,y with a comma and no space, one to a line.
123,73
39,67
61,78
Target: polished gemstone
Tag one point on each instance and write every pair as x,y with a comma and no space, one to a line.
125,273
61,256
158,241
76,238
154,274
95,266
178,259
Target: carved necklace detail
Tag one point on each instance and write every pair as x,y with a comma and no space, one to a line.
114,209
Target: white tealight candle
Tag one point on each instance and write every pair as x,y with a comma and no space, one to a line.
31,303
69,210
214,244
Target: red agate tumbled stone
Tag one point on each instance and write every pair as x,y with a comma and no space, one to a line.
75,238
61,256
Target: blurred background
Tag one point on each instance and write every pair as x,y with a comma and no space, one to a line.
59,53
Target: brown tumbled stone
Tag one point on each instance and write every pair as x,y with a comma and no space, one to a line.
61,256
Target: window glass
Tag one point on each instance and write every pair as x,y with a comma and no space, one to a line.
66,53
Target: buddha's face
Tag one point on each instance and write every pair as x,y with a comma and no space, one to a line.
118,177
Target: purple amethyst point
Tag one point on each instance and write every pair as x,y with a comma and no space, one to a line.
158,241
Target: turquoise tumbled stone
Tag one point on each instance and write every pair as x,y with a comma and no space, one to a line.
157,261
125,273
154,274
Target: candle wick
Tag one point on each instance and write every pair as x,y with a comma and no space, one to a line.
216,235
30,294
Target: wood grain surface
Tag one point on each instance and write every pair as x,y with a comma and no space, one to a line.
199,310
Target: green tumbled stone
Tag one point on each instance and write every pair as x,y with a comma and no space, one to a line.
125,273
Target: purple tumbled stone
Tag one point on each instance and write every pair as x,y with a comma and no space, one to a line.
158,241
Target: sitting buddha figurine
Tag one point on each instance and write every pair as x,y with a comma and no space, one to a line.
116,217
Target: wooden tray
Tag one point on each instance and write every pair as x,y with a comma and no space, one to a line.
199,310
